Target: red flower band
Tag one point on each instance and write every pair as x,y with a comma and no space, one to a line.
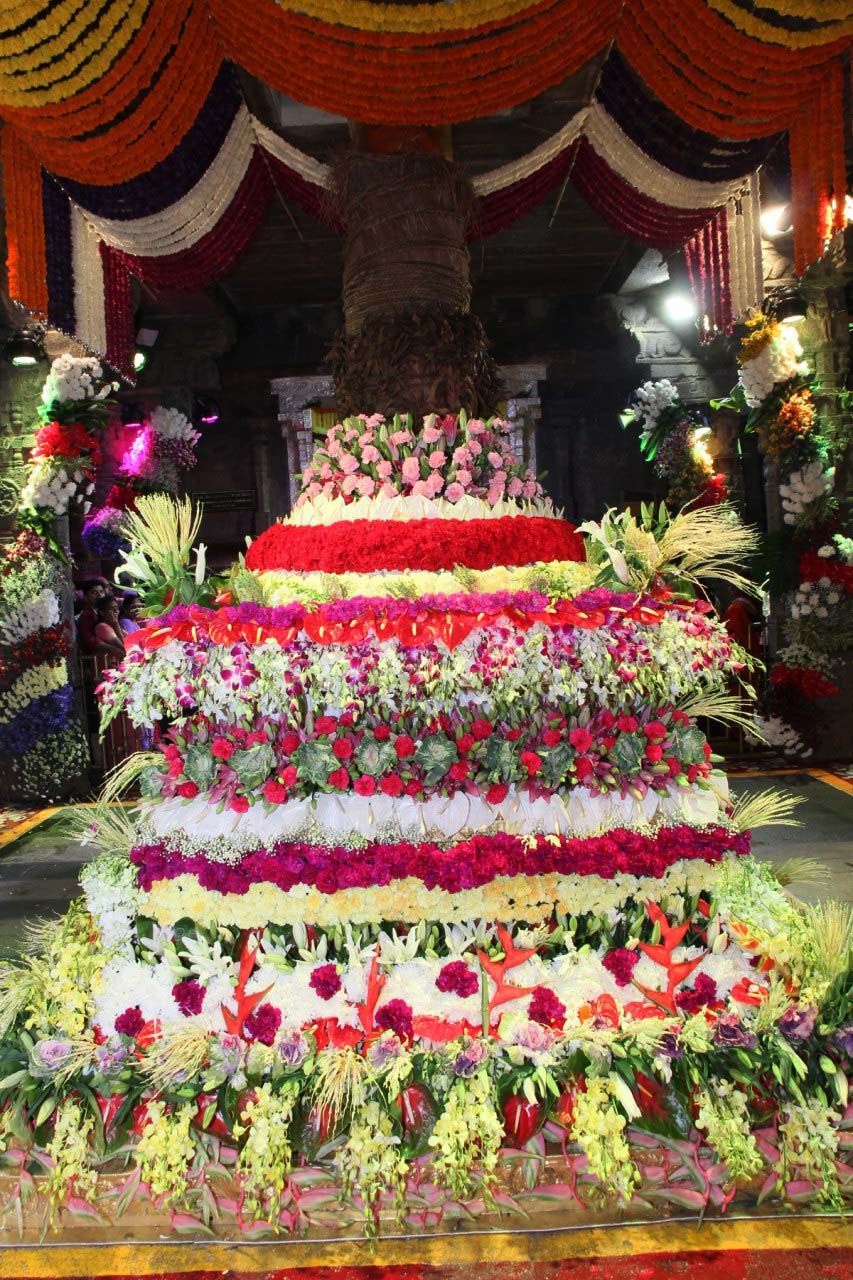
365,546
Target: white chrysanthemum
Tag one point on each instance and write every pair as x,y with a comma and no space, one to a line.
804,487
75,378
171,424
784,737
775,363
42,611
651,399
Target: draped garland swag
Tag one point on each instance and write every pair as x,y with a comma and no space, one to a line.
128,149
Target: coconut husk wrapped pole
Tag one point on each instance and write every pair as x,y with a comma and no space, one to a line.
409,340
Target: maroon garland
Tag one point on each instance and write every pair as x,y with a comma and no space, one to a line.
707,257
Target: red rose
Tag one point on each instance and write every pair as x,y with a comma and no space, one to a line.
654,729
365,786
583,767
382,732
274,792
342,748
531,762
551,737
222,748
325,725
654,752
391,785
581,739
188,790
497,792
627,724
240,804
404,746
288,775
289,743
339,778
481,730
465,743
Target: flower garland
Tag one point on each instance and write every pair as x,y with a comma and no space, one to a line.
672,437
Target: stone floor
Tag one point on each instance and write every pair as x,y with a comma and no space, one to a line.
38,871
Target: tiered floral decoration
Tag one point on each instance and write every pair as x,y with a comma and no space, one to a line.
154,460
812,562
673,438
75,403
42,746
421,886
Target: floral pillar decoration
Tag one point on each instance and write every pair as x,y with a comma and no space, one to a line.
673,437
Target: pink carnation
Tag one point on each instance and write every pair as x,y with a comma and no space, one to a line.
348,463
463,477
384,469
431,435
396,1016
411,470
370,453
454,492
458,978
325,980
514,487
437,459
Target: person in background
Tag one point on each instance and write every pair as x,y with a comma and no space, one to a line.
128,611
93,591
742,620
108,634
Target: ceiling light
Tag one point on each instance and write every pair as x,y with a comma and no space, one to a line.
679,308
25,348
140,359
776,221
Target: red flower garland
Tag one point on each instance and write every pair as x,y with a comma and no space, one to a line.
365,546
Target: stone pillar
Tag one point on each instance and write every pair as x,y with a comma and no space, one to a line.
294,397
523,406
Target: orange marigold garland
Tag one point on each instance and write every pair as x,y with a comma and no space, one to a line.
781,436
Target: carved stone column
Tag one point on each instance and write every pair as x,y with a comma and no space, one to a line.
294,396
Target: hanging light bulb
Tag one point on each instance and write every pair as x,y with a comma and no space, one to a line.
776,221
679,308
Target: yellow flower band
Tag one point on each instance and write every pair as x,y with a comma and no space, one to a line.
523,898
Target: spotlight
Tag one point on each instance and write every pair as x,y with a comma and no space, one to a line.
787,305
206,412
679,308
132,416
25,348
776,221
140,359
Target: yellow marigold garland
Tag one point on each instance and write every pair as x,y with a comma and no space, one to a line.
834,14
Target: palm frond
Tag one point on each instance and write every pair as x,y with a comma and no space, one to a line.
109,828
726,708
126,773
341,1080
768,808
179,1054
800,871
163,529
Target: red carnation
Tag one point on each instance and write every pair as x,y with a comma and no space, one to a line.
325,725
365,786
703,992
458,771
222,749
188,996
481,730
655,729
263,1023
581,739
404,747
396,1016
583,767
654,752
546,1008
531,762
342,748
289,775
628,724
497,792
274,792
382,732
326,981
465,743
552,737
621,962
130,1023
512,735
458,978
188,790
289,743
240,804
413,787
391,785
339,778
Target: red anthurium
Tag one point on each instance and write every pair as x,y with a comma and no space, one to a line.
521,1119
207,1102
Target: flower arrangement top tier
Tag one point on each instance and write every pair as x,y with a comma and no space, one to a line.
388,498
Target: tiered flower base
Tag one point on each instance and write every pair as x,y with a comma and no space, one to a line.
434,907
